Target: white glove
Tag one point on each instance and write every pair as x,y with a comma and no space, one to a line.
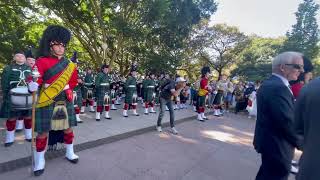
33,86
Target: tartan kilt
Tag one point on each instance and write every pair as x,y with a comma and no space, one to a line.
100,95
84,92
201,101
79,98
44,115
148,95
218,98
129,95
7,112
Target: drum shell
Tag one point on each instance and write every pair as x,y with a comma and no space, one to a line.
20,98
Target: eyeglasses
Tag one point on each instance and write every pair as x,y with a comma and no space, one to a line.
55,43
296,66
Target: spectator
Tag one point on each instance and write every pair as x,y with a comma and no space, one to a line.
303,79
275,138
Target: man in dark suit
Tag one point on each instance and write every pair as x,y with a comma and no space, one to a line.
308,126
275,138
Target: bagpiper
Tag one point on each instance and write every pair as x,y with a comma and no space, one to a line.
149,93
77,94
87,91
222,86
131,92
203,92
15,97
54,106
103,81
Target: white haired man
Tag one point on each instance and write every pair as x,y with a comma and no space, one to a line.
275,138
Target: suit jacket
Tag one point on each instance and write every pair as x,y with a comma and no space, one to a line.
307,124
274,133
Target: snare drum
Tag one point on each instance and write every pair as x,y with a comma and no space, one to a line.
20,98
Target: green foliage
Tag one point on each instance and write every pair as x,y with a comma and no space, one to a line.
219,45
256,58
304,36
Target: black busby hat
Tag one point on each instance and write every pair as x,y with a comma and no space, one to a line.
56,34
205,70
133,68
104,66
29,54
151,72
18,51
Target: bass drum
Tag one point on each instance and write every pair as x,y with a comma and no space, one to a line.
20,98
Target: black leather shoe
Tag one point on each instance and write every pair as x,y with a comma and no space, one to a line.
97,119
38,172
28,140
8,144
73,161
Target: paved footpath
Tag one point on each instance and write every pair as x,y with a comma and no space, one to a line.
90,133
218,149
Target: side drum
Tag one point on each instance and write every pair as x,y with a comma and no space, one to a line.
20,98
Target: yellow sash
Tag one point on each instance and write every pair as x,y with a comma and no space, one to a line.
202,92
54,89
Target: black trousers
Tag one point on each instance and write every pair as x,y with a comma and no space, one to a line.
273,169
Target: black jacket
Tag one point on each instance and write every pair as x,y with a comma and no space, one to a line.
307,112
274,132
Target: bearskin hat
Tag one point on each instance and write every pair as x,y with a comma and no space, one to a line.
29,53
205,70
18,51
151,72
104,66
53,33
133,68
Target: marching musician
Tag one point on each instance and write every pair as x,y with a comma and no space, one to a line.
222,86
54,108
149,93
87,91
103,81
77,94
203,92
30,62
131,92
13,84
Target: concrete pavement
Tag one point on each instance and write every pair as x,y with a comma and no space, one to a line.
218,149
88,134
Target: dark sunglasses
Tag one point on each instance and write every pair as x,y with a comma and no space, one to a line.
54,43
296,66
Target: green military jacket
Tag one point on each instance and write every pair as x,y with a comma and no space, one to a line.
130,88
149,89
11,76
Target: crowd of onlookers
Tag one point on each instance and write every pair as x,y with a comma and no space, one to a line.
237,96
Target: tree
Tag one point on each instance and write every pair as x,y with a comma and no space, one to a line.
221,45
255,60
133,30
304,36
12,29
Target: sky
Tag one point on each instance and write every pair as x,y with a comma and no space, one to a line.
266,18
